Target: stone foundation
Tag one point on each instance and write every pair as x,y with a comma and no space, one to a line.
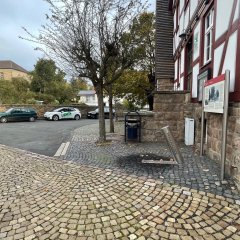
214,140
165,84
171,109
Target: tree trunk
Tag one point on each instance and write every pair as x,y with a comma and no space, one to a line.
150,100
102,128
111,109
149,92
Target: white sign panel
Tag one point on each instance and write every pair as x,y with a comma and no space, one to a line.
214,94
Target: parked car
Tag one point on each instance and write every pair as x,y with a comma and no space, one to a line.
94,114
63,113
18,114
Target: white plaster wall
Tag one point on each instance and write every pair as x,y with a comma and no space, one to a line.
174,43
176,70
179,66
230,60
237,11
193,6
217,59
182,60
177,38
181,4
175,20
223,12
181,84
181,23
194,80
175,86
196,42
186,20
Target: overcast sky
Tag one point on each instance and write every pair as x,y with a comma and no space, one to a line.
15,14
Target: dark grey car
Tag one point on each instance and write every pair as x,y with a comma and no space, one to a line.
94,114
18,114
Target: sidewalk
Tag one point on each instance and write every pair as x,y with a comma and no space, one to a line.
194,172
105,193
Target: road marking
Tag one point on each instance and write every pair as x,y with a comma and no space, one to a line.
65,148
60,149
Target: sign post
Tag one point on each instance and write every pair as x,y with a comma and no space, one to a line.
224,124
202,123
215,100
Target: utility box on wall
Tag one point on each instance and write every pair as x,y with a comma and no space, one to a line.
189,131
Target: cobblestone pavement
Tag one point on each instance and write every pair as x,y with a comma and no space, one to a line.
197,173
44,198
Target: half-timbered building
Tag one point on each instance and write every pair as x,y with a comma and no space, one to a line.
206,42
197,40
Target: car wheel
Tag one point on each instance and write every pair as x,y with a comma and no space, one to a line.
3,119
77,117
96,116
31,119
55,118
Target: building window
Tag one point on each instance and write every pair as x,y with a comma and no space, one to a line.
208,37
1,75
88,98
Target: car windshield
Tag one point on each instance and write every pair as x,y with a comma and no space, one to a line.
9,110
106,109
57,110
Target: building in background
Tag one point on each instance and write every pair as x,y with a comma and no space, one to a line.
10,70
89,97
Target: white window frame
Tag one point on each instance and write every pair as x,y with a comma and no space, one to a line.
208,38
88,98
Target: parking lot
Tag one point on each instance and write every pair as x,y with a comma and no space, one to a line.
43,137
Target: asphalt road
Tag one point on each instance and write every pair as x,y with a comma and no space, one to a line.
43,137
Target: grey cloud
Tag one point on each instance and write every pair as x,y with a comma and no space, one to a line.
15,14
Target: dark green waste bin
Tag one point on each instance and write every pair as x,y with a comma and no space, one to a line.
132,126
132,131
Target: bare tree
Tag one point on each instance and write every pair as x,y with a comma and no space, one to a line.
141,37
87,35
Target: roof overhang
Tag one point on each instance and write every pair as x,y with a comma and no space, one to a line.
170,5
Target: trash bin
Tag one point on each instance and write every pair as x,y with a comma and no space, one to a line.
132,126
132,130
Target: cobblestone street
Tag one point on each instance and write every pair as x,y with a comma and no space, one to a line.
105,192
194,172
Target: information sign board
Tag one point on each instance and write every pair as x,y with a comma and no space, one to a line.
214,95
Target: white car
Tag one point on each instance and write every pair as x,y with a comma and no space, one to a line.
63,113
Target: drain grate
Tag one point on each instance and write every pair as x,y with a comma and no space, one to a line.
155,159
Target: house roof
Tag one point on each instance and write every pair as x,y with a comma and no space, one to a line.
86,92
6,64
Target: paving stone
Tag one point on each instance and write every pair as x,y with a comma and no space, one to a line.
30,237
105,192
2,235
